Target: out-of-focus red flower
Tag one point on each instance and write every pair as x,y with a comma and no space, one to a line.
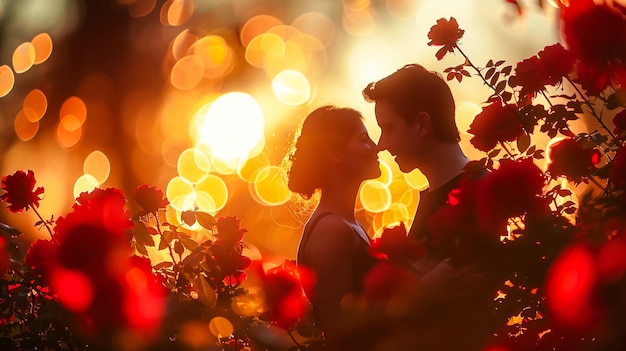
617,175
611,262
619,121
596,34
387,280
41,256
445,33
571,289
20,191
228,230
396,246
509,191
5,258
570,159
495,123
144,302
107,207
150,199
284,294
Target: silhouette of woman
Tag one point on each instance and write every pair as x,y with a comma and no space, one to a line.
333,154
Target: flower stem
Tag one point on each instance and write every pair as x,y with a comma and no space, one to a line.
45,223
506,149
469,62
588,103
169,247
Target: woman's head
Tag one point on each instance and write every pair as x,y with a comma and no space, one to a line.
331,139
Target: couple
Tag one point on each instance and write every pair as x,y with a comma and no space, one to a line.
415,111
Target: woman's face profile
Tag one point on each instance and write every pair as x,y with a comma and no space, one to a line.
360,159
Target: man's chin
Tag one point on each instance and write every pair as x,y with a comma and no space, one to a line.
405,167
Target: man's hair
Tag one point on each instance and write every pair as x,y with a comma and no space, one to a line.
413,89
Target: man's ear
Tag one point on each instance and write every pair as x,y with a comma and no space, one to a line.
422,123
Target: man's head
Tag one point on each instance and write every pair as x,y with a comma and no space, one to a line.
414,109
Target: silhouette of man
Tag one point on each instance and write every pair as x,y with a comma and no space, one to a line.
415,111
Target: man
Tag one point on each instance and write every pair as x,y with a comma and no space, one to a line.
415,111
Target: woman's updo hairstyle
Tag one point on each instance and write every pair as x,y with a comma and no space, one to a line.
326,129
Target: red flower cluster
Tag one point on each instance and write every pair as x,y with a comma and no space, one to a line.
596,35
445,33
394,245
482,207
578,280
88,267
494,124
150,199
547,68
20,191
569,158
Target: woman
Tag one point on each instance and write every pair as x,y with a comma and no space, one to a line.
333,154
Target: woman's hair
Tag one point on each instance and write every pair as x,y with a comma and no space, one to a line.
413,89
327,128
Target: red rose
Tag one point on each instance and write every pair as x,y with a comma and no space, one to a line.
20,191
557,61
228,230
496,123
150,199
396,246
619,121
617,175
531,75
570,159
445,33
509,191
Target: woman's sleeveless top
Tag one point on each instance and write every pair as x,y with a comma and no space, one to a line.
362,259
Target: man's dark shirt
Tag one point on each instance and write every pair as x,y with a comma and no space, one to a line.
430,202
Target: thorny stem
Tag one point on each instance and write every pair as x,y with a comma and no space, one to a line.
469,62
43,222
588,103
169,247
506,149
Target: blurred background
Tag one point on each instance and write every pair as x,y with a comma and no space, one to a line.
202,98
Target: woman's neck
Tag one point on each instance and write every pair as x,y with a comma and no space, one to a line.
339,198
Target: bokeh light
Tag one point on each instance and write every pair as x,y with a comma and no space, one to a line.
232,126
7,80
291,87
97,164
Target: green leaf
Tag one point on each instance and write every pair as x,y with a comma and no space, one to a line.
523,142
205,220
188,217
206,294
162,265
141,234
140,247
179,248
166,239
188,243
493,153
